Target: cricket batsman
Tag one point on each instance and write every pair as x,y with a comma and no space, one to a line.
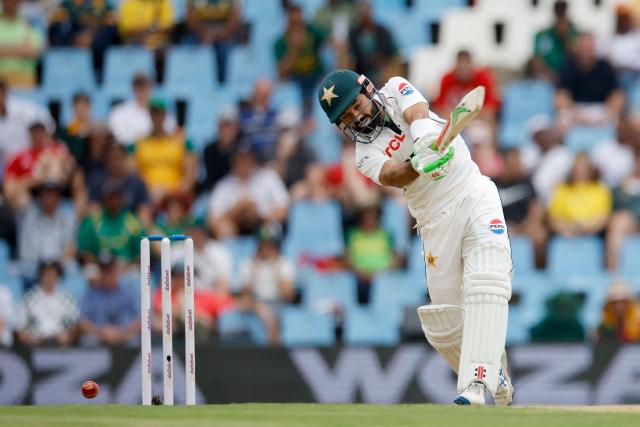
400,143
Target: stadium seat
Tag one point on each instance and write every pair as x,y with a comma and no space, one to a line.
366,327
315,229
575,258
584,138
434,10
393,291
311,7
237,327
417,266
323,292
258,10
100,107
426,67
5,255
527,306
190,70
477,37
409,31
395,219
302,327
521,101
286,95
14,283
246,65
76,284
522,254
240,249
202,119
325,139
634,99
121,64
66,71
630,257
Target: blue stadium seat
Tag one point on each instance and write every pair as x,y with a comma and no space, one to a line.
257,10
395,219
416,265
286,95
76,284
584,138
100,107
202,119
409,31
121,64
34,95
246,65
240,249
302,327
393,291
236,326
190,70
15,285
634,99
630,257
522,254
527,306
433,10
310,7
521,101
325,139
65,71
5,255
382,7
323,291
315,229
366,327
575,258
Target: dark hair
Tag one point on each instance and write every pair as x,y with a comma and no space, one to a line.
4,85
462,54
81,96
51,263
560,8
37,126
595,173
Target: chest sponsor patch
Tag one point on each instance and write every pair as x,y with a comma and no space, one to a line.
497,226
405,89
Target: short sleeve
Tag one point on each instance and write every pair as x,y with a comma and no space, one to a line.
405,94
369,160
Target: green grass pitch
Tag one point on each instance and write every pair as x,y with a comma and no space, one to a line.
266,415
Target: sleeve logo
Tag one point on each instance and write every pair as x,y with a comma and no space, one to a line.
405,89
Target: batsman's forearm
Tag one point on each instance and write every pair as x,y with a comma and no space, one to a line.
396,174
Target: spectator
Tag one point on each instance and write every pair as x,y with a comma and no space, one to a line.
582,205
626,216
246,303
314,185
110,312
93,161
561,322
464,77
523,212
214,22
298,54
46,160
211,260
16,115
84,24
480,135
247,197
135,195
269,274
370,250
8,313
552,44
45,217
20,47
545,158
113,228
620,316
208,306
76,134
50,313
7,223
166,162
292,154
217,154
176,217
588,90
372,47
131,120
621,49
614,158
258,120
335,18
146,23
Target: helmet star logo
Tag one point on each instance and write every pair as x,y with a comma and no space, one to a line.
328,95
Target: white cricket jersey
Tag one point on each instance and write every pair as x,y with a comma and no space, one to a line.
424,197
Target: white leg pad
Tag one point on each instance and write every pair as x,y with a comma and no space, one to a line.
487,290
442,326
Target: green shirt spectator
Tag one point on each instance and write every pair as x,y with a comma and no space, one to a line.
20,47
553,43
370,251
113,229
298,49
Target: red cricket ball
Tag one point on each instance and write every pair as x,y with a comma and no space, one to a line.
90,389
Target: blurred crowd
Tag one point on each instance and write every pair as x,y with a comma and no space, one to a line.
78,195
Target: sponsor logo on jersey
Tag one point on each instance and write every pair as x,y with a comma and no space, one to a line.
394,144
405,89
497,226
360,163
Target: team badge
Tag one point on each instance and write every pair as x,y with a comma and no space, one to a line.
497,226
328,95
432,260
405,89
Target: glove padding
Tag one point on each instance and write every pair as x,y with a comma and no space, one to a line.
426,160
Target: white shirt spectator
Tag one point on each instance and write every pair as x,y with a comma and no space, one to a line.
264,187
622,50
33,224
613,160
547,169
14,126
263,276
46,315
130,121
7,316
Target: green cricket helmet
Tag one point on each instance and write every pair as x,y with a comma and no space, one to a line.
338,90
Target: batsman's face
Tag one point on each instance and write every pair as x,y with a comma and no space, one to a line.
359,114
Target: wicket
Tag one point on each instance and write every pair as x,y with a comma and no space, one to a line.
167,318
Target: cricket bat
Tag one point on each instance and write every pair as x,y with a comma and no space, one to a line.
466,110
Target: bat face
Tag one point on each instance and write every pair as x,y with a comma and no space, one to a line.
464,113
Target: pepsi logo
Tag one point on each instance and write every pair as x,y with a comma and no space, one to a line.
497,226
405,89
